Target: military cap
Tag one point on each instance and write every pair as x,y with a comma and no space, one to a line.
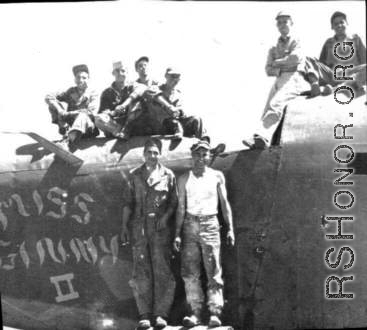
153,142
143,58
337,14
118,66
201,144
80,68
283,13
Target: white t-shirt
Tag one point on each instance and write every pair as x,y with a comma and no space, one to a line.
201,193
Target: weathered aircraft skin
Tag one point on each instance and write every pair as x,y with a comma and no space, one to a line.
62,265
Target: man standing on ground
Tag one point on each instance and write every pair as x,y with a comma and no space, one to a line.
197,223
77,119
155,201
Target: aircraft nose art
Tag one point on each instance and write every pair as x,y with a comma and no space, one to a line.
62,264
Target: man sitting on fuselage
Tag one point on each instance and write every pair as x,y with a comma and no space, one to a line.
139,122
73,110
167,108
321,72
116,101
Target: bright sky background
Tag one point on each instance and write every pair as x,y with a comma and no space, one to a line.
221,48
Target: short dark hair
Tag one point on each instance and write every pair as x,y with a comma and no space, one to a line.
153,142
80,68
337,14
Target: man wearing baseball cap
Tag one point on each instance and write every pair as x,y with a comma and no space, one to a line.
285,62
116,101
197,234
142,123
73,110
142,68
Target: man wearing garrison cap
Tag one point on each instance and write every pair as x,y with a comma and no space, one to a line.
73,110
154,195
116,103
321,71
199,191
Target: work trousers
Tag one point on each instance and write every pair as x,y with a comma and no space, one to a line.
108,125
192,126
153,283
286,87
201,244
325,75
82,123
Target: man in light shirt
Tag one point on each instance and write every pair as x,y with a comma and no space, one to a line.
285,62
196,222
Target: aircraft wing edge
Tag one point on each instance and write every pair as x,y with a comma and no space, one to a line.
65,155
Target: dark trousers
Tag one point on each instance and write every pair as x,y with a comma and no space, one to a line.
192,126
153,283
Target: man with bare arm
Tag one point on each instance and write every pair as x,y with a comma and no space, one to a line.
198,229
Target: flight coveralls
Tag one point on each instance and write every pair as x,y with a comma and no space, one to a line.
153,283
290,82
87,102
201,244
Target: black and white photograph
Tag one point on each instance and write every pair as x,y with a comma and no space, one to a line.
183,165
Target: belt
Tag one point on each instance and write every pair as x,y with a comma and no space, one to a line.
199,217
